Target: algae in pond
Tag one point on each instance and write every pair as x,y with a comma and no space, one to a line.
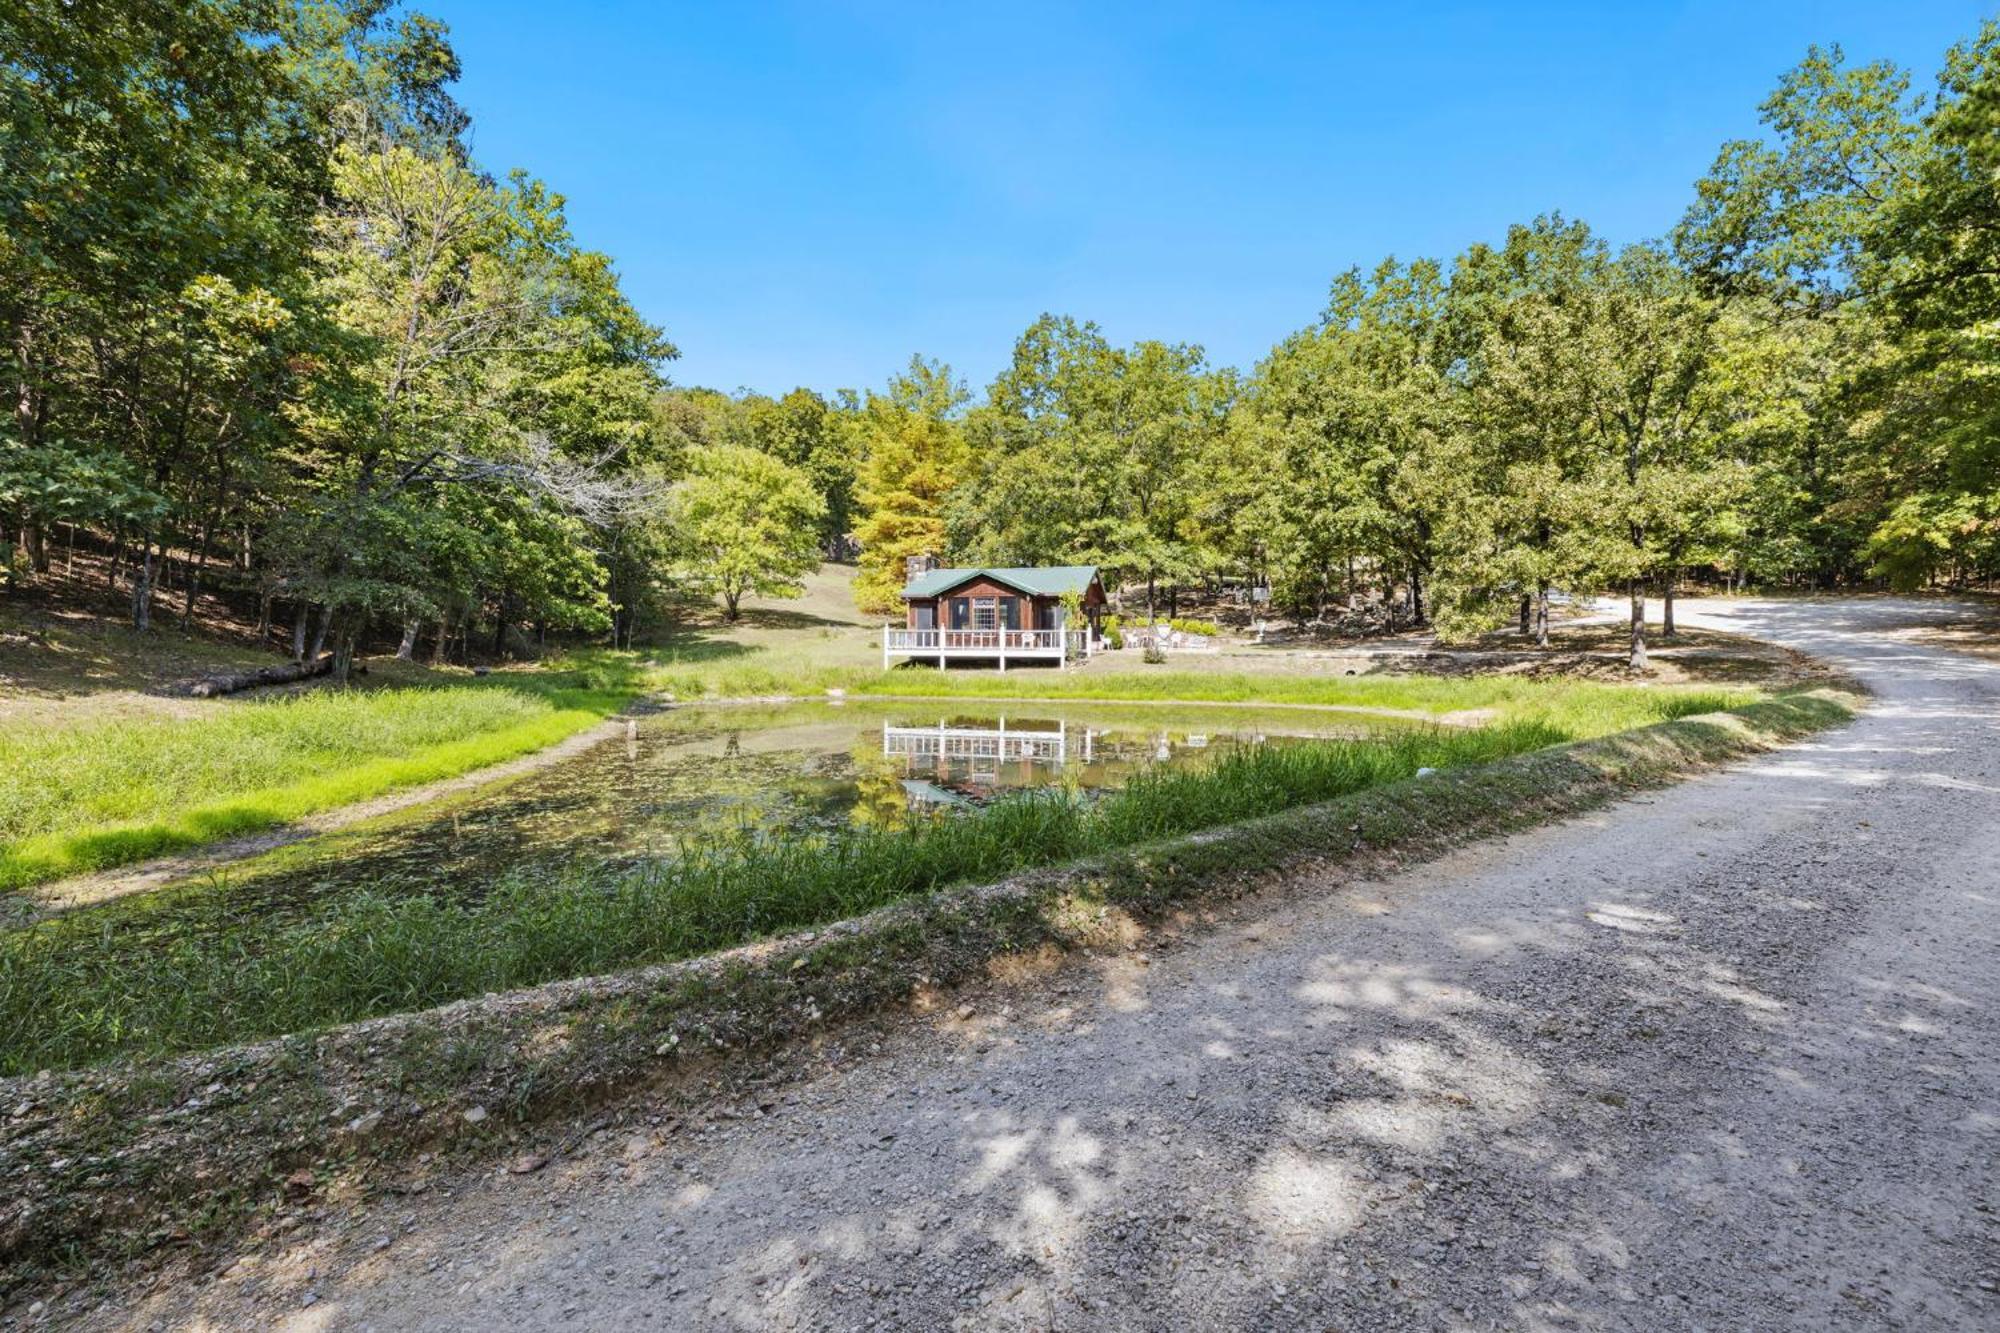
705,776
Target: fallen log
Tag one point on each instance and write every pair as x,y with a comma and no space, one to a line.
283,673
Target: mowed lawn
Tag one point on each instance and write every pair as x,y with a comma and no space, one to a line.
86,796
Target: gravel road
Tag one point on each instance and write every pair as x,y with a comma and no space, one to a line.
1724,1057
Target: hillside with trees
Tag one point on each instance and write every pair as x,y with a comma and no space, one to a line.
1787,389
270,331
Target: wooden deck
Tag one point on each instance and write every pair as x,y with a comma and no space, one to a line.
999,646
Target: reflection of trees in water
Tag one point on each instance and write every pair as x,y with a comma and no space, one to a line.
879,800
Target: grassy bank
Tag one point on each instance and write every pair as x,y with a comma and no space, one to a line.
85,797
765,672
1577,710
72,992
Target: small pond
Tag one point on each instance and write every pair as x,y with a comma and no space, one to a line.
701,773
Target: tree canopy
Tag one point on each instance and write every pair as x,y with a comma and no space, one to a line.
269,329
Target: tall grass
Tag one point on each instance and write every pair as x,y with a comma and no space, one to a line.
79,989
86,797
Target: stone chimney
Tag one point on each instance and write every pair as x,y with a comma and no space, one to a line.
917,565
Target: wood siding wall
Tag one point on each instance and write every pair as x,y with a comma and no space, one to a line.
1093,597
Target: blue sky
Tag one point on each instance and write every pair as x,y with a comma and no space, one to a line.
807,194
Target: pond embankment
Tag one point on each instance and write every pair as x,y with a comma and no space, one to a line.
123,1157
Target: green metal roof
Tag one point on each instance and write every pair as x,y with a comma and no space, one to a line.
1035,580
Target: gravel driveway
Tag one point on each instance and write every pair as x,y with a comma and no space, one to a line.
1723,1057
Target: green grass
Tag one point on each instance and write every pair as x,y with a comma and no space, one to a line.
80,798
1577,710
799,645
74,990
700,672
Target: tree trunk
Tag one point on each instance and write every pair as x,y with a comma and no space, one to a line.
299,632
1542,616
1667,606
1638,589
343,654
29,402
194,579
729,599
1527,613
319,635
264,615
142,590
1149,596
442,641
407,649
229,682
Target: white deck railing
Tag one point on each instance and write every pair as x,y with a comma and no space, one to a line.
996,643
986,642
948,742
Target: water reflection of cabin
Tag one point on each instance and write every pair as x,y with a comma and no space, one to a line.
986,746
996,615
938,761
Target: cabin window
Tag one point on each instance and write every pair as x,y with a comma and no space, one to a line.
961,612
985,614
1045,616
1010,612
926,615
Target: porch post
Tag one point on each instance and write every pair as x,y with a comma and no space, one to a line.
885,647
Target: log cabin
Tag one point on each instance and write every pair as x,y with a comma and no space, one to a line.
996,616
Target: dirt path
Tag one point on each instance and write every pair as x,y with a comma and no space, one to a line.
1724,1057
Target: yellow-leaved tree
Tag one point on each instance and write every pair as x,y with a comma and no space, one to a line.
912,454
